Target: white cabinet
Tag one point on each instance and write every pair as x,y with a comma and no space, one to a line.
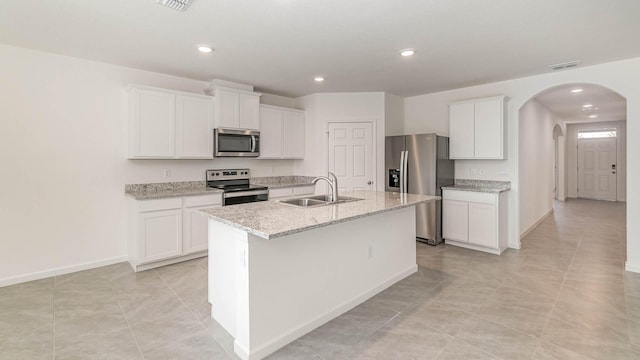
477,129
281,133
165,231
237,109
284,192
455,224
167,124
475,220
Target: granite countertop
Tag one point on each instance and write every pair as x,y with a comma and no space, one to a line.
186,188
271,219
168,190
275,182
488,186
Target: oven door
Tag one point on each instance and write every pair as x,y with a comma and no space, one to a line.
242,197
236,143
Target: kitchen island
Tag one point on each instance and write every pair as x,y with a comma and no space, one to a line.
278,271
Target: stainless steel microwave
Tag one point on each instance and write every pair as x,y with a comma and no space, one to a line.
236,143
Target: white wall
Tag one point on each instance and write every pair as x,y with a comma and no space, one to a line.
320,109
572,155
394,115
64,166
622,77
537,174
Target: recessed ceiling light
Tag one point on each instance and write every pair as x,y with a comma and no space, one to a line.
407,52
587,106
576,90
318,79
204,48
593,116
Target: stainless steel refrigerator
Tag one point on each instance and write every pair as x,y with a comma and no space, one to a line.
419,164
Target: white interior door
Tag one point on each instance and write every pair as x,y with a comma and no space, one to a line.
351,155
597,168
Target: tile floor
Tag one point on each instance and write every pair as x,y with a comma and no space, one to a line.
564,295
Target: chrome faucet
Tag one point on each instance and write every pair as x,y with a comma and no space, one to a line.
332,180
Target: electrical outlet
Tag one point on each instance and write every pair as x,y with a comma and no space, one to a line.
166,173
370,251
481,171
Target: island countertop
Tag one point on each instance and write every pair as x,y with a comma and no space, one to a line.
272,219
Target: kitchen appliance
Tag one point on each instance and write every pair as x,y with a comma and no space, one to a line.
419,164
235,186
236,143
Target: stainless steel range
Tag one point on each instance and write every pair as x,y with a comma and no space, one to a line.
235,186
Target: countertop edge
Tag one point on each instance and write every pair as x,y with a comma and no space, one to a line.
314,226
483,190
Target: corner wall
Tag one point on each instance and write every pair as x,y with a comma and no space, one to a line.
63,140
536,170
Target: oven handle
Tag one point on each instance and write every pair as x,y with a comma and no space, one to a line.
244,193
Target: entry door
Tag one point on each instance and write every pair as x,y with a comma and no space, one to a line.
351,155
597,169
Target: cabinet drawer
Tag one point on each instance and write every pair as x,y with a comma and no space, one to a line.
472,196
203,200
159,204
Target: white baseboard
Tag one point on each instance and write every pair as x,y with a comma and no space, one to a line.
632,267
61,271
270,347
533,226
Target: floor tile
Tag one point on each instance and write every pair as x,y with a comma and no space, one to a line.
497,340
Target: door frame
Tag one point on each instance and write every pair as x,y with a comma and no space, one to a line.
374,138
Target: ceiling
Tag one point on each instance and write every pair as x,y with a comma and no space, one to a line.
280,45
568,106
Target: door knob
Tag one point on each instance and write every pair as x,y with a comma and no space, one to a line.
369,182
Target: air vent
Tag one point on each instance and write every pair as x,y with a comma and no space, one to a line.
563,66
180,5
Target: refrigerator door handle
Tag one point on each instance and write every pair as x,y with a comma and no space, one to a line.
401,171
405,168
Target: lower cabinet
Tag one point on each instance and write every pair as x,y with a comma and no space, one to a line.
292,191
475,220
166,231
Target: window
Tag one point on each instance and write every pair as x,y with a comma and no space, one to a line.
597,134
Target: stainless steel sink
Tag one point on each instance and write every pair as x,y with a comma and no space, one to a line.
317,200
304,202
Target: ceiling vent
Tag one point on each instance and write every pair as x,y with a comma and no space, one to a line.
180,5
563,66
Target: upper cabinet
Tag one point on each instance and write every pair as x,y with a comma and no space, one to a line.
281,133
167,124
237,109
477,129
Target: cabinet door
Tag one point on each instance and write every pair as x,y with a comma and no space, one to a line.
152,124
249,111
194,128
270,133
160,234
196,229
227,109
461,131
488,129
293,135
455,220
482,225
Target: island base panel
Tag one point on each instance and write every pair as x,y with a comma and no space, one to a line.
269,292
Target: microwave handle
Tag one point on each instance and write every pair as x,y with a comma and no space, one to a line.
253,143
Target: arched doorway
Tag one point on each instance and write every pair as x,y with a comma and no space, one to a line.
549,126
